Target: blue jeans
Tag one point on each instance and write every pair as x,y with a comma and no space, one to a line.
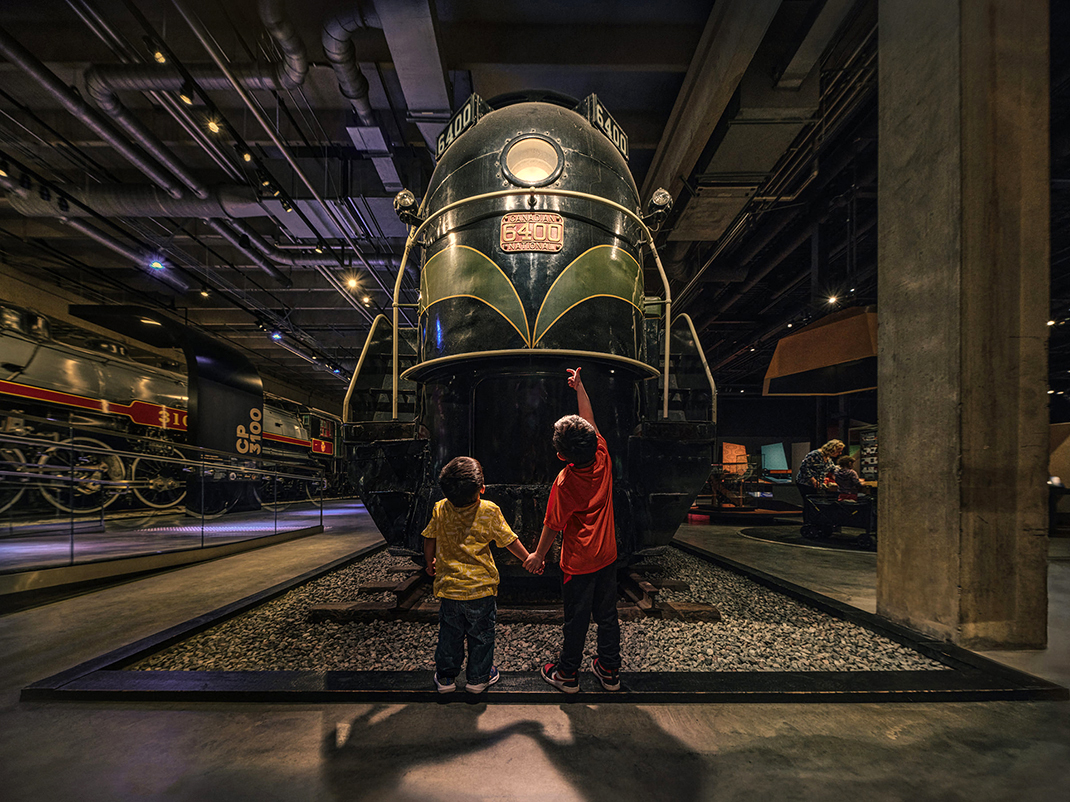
459,621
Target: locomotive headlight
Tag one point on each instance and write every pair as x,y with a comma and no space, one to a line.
532,161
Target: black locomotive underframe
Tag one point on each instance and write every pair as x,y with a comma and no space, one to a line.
971,678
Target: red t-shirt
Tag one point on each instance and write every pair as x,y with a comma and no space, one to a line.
581,506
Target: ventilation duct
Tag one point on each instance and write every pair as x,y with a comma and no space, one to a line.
339,49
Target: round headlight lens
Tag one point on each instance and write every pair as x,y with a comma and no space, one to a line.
532,161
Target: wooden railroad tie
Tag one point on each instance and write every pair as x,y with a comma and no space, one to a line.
411,602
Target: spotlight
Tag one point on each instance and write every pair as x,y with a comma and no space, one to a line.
1051,322
185,94
832,299
790,325
213,126
319,249
366,300
286,207
352,283
247,156
156,264
160,57
204,292
276,335
3,168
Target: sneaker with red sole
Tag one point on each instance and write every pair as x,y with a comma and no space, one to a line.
609,677
563,682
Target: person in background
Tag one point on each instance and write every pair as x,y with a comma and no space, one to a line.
847,479
815,466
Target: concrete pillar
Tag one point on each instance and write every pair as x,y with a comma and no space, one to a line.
963,304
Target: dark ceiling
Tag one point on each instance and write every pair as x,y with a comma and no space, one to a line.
759,116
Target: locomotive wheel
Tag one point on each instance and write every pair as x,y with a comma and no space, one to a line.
78,483
158,483
11,487
273,492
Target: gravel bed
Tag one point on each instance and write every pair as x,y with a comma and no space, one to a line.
761,630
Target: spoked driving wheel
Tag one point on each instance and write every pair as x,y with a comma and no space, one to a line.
157,482
80,481
12,486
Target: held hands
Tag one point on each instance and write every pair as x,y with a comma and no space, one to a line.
534,563
574,380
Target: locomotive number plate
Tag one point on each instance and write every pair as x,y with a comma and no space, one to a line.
532,231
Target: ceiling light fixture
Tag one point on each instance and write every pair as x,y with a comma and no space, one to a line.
185,94
213,126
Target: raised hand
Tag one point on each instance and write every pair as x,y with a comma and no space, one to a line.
574,380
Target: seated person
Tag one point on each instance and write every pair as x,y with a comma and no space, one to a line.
847,479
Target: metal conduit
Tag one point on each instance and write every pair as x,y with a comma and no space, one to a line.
124,200
128,55
133,254
217,57
339,49
28,63
107,100
294,258
223,230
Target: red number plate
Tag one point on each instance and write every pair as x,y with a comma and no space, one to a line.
532,231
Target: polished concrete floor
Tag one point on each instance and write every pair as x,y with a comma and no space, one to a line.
487,751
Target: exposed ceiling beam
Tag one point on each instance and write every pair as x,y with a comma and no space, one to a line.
733,32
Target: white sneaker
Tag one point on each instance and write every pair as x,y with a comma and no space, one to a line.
479,687
444,686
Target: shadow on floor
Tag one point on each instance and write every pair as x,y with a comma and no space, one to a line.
614,753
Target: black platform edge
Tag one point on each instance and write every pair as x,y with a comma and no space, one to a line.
971,678
132,652
955,657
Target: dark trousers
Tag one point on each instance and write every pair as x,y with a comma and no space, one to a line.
471,621
590,596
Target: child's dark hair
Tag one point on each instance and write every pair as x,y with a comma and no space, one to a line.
575,439
460,480
845,461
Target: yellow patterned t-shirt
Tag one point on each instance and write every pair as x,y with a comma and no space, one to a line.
464,565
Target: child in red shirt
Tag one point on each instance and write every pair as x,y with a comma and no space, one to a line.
581,509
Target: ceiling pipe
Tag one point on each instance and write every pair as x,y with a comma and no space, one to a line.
294,67
139,257
129,55
47,80
242,242
339,49
145,200
108,101
291,257
208,44
223,230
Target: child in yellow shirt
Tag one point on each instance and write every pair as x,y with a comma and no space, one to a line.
457,550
